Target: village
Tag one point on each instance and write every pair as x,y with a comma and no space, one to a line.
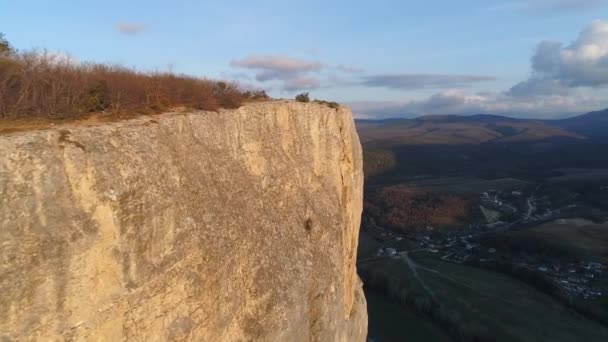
503,211
574,278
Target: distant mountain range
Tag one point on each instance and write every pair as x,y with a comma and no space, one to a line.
481,128
592,125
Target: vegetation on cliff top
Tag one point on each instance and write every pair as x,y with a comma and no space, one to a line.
51,86
305,98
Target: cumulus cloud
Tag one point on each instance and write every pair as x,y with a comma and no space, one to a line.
417,81
556,68
129,28
293,74
565,80
538,87
277,64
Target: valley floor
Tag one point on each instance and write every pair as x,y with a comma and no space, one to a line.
461,300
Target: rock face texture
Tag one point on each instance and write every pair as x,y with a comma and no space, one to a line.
240,225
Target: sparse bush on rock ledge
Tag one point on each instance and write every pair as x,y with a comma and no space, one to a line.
256,95
330,104
303,97
51,86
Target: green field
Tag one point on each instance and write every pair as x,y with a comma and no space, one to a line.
513,309
499,307
576,239
389,321
563,239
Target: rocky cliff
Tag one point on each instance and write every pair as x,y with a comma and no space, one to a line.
233,226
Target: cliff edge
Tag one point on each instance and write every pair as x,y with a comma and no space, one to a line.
233,226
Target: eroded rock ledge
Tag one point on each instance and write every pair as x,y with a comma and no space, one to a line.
232,226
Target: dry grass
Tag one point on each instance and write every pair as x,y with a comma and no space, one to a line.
45,87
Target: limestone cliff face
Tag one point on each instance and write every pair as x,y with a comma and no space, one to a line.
232,226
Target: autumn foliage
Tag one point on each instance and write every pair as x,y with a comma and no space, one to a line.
44,85
406,208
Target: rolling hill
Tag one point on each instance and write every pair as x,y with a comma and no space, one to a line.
458,130
487,146
593,125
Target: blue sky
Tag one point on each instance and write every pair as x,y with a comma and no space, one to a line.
384,58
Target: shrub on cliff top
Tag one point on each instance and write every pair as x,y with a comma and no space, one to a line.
5,47
256,95
303,97
330,104
35,84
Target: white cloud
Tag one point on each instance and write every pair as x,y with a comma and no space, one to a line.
555,67
129,28
457,101
277,64
565,80
538,87
418,81
293,74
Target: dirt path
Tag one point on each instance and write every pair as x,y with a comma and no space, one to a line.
531,207
414,266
